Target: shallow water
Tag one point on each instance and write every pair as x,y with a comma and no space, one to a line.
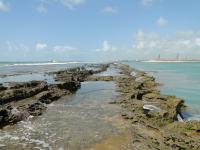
73,122
111,71
180,79
8,69
28,77
24,72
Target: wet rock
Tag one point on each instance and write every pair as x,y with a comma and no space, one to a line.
152,125
30,98
31,84
153,96
100,78
36,109
112,102
79,74
10,115
102,68
183,135
2,88
74,74
53,93
20,91
71,86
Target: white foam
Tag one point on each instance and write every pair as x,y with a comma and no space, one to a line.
41,64
49,63
42,143
28,125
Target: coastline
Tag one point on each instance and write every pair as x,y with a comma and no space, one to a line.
154,117
171,61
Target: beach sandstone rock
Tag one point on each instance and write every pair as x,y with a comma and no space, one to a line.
183,135
19,91
10,115
2,88
156,127
21,99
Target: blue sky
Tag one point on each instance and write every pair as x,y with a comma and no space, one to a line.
89,30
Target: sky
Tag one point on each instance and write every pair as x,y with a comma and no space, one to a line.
98,30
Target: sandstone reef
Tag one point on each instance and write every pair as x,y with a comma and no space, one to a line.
19,100
156,119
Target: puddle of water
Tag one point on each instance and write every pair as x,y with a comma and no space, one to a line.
72,123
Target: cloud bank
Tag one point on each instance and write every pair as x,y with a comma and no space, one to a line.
145,45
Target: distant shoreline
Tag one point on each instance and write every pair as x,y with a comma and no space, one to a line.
171,61
42,63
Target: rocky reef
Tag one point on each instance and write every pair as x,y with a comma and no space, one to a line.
19,100
156,119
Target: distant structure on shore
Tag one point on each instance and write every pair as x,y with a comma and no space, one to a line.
176,59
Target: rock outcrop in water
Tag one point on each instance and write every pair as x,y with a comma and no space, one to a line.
20,100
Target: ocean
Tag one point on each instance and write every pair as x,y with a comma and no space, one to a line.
27,71
180,79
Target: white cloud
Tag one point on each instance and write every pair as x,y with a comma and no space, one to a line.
19,51
71,3
4,6
106,47
110,9
147,2
40,46
146,45
151,44
41,8
61,49
161,22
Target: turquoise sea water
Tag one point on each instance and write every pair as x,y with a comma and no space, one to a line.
180,79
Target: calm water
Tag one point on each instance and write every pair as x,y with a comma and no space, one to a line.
72,123
9,68
27,71
180,79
